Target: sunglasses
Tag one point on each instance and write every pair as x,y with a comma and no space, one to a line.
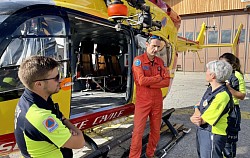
155,37
53,78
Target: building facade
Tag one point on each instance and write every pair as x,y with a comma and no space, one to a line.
224,17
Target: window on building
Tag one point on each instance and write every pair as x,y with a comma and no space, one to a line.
242,35
179,34
225,36
212,37
189,35
197,34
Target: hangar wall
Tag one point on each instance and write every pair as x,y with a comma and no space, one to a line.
225,15
183,7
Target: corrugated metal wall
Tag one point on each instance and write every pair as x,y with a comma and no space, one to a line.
227,15
226,26
200,6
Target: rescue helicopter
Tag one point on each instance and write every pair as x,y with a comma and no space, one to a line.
95,42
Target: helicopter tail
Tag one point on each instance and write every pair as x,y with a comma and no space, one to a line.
201,37
234,45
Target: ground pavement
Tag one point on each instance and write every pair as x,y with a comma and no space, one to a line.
187,90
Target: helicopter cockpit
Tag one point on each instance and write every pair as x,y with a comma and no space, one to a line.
36,36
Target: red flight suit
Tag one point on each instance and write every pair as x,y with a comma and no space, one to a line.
149,78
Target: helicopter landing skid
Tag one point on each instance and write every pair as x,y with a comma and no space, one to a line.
170,135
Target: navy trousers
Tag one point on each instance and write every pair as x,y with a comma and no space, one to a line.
209,145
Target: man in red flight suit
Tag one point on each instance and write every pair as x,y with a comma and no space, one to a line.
150,76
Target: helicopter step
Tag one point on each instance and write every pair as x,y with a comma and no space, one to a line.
170,134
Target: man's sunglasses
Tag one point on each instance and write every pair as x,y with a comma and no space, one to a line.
53,78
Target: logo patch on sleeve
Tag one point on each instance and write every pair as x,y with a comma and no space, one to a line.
137,62
205,103
145,67
50,124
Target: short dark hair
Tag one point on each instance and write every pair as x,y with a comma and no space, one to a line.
35,68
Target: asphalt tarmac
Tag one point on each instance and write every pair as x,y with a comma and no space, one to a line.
187,90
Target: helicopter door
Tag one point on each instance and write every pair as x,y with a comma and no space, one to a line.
39,35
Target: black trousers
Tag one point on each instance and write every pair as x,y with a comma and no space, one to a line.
233,131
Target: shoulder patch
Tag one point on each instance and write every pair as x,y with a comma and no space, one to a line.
145,67
137,62
205,103
50,124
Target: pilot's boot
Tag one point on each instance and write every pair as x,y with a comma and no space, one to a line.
150,156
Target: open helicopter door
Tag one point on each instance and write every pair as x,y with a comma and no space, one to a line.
170,133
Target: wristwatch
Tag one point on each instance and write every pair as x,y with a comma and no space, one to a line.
195,106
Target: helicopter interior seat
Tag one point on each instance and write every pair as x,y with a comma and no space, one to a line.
86,51
109,60
86,68
117,80
102,69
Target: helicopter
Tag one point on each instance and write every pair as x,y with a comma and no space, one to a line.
95,43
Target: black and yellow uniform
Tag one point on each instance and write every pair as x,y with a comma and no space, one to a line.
40,131
214,108
237,82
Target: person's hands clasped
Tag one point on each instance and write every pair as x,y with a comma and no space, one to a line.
228,85
196,119
74,133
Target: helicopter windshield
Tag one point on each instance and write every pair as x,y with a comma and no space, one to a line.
43,35
2,18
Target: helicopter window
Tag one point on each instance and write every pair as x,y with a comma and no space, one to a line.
43,35
10,86
164,53
2,18
140,44
42,26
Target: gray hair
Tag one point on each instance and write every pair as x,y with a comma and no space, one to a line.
221,69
